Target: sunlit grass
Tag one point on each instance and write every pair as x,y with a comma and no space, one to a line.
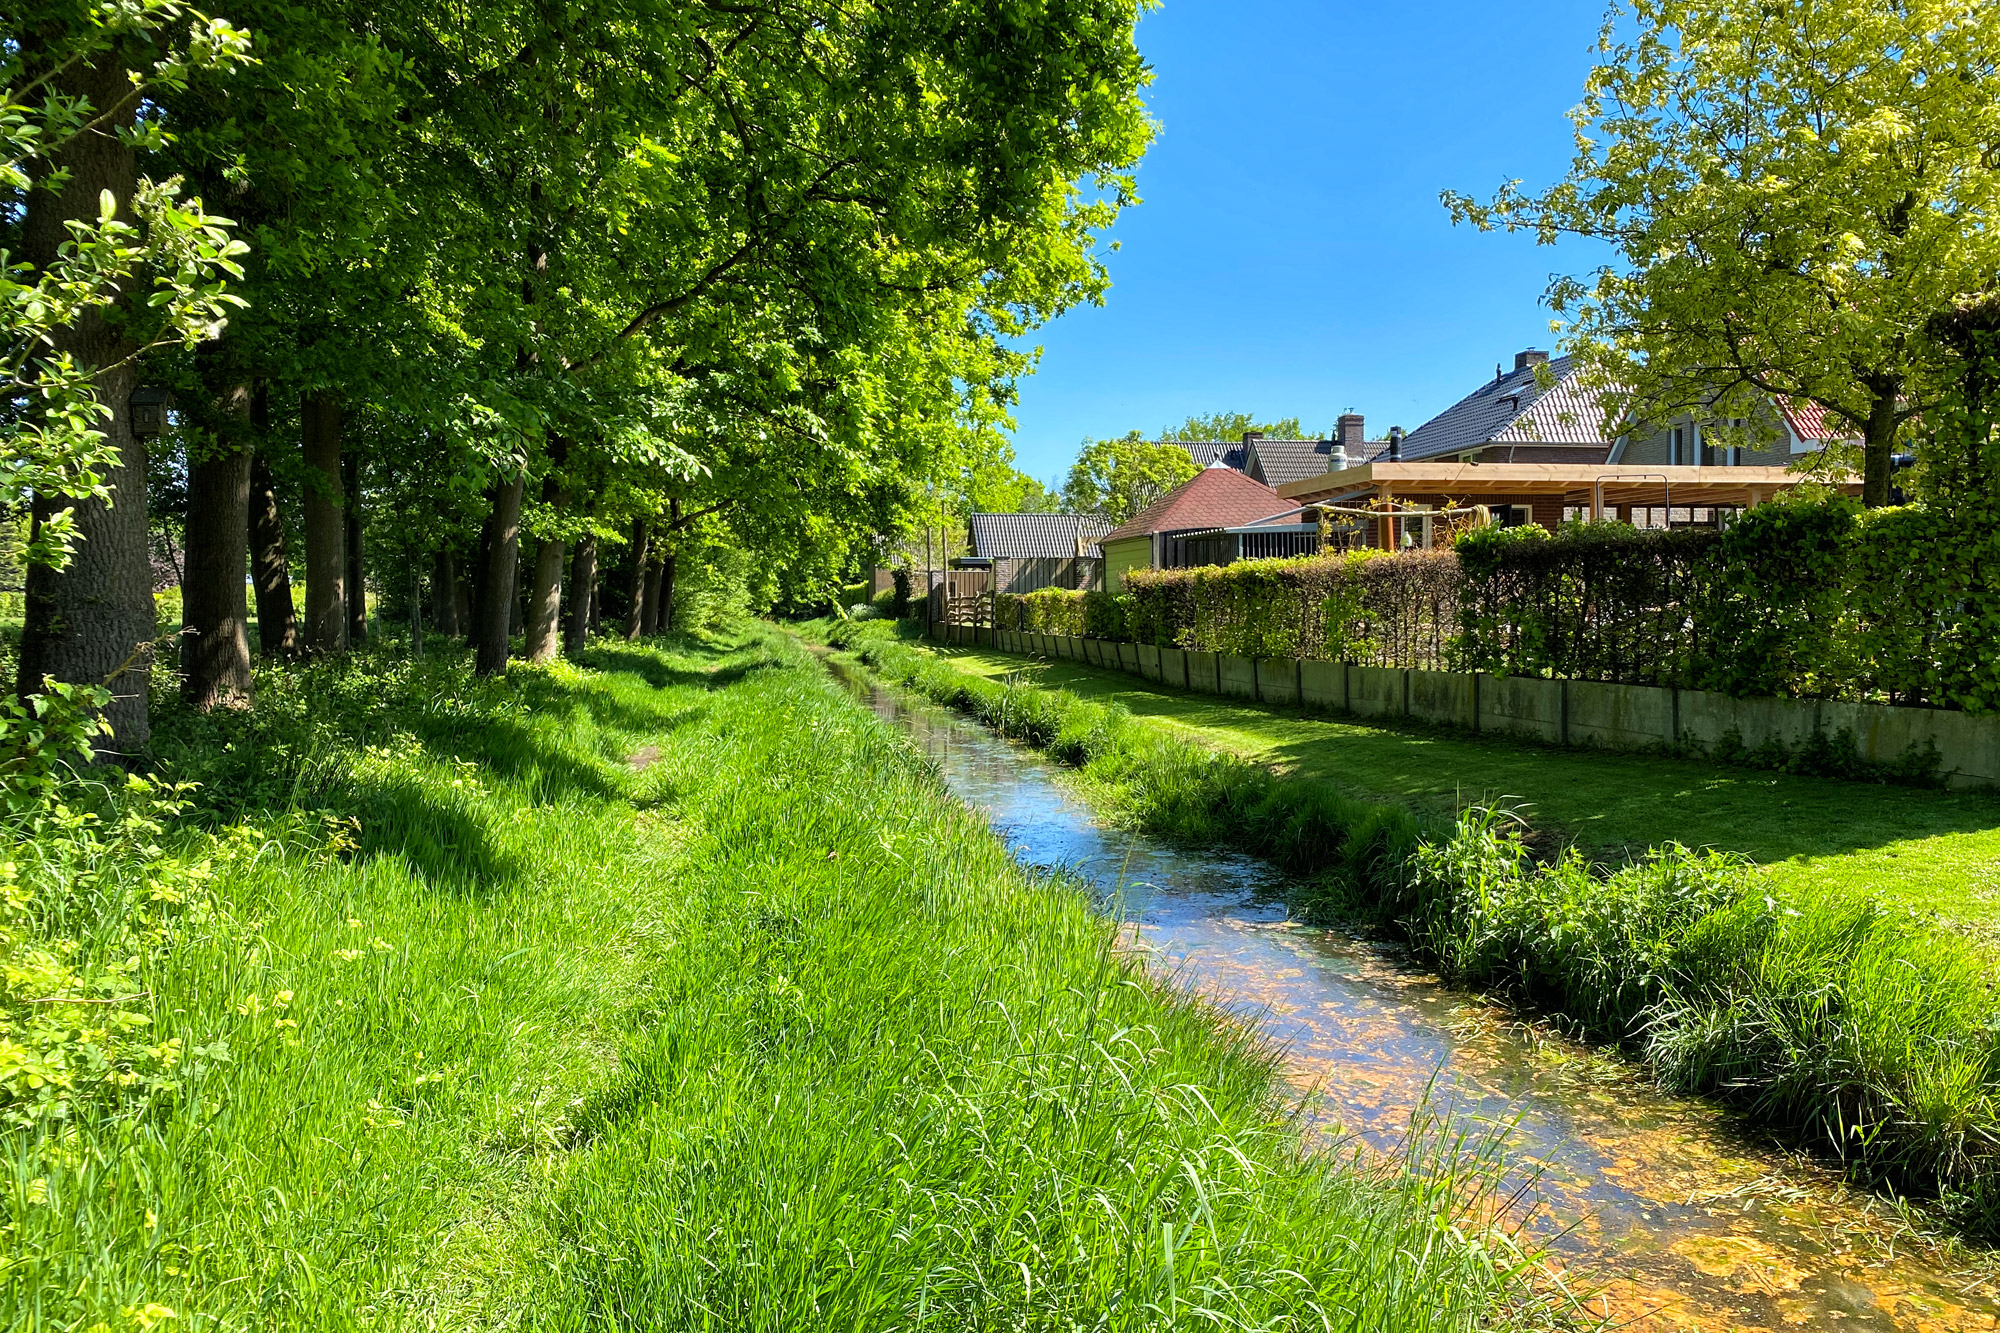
1853,1024
489,1026
1936,851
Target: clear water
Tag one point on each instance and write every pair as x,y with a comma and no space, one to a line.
1659,1207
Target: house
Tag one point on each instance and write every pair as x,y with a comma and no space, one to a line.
1533,453
1229,453
1219,497
1277,462
1030,551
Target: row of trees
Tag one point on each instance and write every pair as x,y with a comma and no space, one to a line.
602,274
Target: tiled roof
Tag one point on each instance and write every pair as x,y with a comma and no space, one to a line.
1034,536
1219,497
1229,453
1281,462
1809,422
1513,410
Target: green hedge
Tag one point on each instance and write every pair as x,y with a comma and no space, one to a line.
1809,596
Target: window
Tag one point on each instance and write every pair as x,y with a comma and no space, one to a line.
1413,533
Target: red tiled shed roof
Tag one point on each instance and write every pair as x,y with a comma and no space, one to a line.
1217,497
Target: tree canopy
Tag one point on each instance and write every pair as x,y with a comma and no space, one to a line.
656,278
1115,479
1794,191
1232,426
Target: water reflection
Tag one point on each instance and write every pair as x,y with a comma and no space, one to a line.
1679,1222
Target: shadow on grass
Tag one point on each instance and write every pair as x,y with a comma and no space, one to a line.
441,842
527,732
664,675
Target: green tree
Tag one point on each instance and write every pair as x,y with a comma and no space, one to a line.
1232,426
1793,192
1115,479
111,264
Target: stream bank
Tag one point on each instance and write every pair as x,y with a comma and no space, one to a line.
1669,1214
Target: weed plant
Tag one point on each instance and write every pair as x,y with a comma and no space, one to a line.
434,1008
1865,1032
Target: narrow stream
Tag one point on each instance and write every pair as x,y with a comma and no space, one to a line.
1671,1219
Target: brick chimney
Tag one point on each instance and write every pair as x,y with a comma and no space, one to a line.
1531,357
1351,430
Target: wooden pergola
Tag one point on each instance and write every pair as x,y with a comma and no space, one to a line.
1602,489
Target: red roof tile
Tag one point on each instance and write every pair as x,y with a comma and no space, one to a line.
1218,497
1809,422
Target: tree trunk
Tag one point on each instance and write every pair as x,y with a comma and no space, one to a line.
669,564
475,577
85,623
277,615
635,623
414,563
1878,444
582,589
544,633
215,640
357,584
651,622
326,526
444,594
496,592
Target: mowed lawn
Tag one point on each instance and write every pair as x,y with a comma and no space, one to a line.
1935,850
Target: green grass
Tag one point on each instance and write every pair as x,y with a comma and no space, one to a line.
1936,851
1855,1026
482,1022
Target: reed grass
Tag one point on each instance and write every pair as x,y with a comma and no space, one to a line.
485,1023
1856,1027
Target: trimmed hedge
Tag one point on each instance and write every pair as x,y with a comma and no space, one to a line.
1808,596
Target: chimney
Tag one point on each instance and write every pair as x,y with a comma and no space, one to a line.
1395,444
1251,437
1351,430
1531,357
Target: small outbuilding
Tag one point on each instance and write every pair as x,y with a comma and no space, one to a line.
1030,551
1219,497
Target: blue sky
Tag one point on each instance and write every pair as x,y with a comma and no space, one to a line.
1291,256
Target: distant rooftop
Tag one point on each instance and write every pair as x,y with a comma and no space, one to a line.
1036,536
1514,409
1217,497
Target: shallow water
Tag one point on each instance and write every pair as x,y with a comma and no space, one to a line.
1666,1214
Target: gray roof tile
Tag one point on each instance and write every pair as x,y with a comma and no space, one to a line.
1034,536
1230,453
1511,410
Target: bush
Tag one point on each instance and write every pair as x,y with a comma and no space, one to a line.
1361,606
1599,601
1043,611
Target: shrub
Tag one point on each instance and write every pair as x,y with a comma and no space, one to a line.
1360,606
1600,601
1043,611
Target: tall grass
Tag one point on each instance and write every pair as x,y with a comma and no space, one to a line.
483,1024
1867,1033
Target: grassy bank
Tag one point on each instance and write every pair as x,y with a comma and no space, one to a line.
670,991
1859,1029
1936,851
